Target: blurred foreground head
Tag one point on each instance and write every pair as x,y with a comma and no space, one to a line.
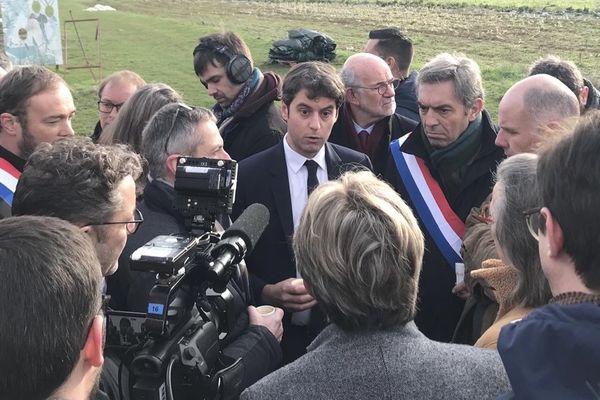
359,249
50,295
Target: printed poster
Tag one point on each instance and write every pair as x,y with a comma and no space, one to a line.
32,31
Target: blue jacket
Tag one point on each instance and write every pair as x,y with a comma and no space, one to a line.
406,98
554,353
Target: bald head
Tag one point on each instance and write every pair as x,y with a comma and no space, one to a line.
360,66
530,107
369,89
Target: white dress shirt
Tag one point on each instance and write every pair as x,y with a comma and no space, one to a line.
297,179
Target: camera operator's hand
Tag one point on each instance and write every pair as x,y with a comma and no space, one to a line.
271,321
290,294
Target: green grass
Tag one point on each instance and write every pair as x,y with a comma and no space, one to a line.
156,38
531,5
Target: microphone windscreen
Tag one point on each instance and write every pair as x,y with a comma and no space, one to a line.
249,225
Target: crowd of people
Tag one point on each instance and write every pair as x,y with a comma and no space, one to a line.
415,249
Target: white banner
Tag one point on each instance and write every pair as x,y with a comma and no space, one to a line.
32,31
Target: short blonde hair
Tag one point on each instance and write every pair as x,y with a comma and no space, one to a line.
360,250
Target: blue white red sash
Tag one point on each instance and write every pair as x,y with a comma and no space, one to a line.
9,176
443,225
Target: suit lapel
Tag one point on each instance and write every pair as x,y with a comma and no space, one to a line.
281,191
334,162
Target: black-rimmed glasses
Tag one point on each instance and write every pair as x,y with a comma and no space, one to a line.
383,86
534,219
131,226
168,135
107,107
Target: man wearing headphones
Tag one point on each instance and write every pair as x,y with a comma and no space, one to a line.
247,117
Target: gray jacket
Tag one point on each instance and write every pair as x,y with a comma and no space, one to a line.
400,363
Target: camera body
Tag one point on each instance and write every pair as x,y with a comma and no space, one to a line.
175,348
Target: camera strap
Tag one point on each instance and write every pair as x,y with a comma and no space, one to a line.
229,379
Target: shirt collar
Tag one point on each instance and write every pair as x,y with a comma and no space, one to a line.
295,161
359,128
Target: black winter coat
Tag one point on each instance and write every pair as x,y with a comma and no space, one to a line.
438,308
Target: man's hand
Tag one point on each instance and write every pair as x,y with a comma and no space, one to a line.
272,322
290,294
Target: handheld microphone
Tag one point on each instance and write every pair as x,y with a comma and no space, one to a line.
238,240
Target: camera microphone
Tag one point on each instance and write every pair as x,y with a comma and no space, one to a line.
238,240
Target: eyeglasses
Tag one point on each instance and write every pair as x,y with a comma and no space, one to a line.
131,226
383,86
534,219
168,135
107,107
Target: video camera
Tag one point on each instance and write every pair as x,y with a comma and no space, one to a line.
176,351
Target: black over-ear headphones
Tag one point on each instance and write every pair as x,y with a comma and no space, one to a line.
238,68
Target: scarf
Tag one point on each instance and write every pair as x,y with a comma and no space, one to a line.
452,161
222,113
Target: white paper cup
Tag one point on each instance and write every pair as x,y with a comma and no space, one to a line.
265,310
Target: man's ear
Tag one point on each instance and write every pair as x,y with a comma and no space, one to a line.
351,96
583,95
475,109
87,229
8,123
391,62
94,343
171,164
285,112
554,233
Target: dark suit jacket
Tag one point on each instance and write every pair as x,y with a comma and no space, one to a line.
262,178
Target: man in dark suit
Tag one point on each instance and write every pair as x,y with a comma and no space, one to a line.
281,178
443,169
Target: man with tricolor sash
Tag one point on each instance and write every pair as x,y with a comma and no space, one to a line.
35,106
443,169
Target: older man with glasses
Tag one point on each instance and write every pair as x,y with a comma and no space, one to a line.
367,122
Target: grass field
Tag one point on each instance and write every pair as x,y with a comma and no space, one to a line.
156,38
585,6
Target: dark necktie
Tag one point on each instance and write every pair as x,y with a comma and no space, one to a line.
363,138
312,182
